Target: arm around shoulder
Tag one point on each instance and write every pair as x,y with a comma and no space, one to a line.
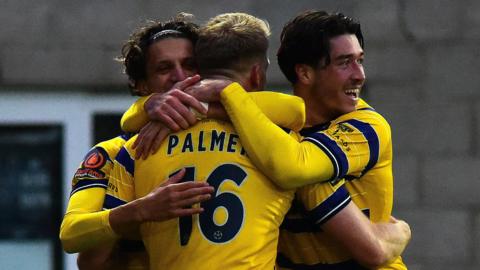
135,117
283,158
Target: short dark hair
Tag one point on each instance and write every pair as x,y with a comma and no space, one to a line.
134,50
230,42
306,39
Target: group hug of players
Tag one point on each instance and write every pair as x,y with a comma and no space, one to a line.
222,175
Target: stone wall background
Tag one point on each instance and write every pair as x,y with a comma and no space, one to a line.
422,64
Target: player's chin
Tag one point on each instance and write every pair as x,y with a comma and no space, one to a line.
349,104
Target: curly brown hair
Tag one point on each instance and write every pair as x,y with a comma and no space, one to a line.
134,50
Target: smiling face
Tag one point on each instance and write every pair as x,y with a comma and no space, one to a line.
168,61
336,86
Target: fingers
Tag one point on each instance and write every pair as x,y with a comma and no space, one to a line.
139,145
187,82
145,139
173,112
189,201
208,90
191,101
187,190
179,114
159,107
187,211
173,108
151,140
393,219
175,178
181,102
159,139
169,122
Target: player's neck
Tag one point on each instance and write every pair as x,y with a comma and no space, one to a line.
314,117
315,114
223,74
228,75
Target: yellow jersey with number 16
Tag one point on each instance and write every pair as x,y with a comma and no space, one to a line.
240,225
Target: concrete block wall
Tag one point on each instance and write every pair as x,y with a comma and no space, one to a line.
424,78
423,75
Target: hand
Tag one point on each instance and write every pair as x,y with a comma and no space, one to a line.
171,199
208,90
149,139
404,228
172,108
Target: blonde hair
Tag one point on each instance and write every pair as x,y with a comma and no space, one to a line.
231,41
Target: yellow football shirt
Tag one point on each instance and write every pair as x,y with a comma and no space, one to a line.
360,142
240,225
84,225
284,110
356,147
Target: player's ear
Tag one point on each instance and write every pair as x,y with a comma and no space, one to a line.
255,77
305,73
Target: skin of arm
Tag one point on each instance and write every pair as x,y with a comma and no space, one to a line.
135,117
99,257
171,110
372,245
141,112
165,202
85,225
299,156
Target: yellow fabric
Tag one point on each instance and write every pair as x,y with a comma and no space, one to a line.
247,208
356,146
135,117
85,225
84,218
371,191
289,163
284,110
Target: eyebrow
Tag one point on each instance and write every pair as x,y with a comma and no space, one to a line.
346,56
169,61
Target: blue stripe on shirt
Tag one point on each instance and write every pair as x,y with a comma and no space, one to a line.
333,151
123,157
330,207
373,141
127,136
112,202
81,185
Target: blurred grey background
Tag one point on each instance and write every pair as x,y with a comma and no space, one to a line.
61,91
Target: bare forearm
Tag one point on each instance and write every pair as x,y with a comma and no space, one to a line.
371,245
169,200
99,257
216,111
394,237
125,220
